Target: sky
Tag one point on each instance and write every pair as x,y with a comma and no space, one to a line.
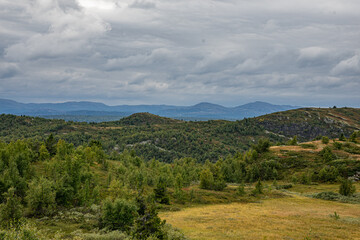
229,52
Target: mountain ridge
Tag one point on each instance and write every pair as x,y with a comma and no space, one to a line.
202,110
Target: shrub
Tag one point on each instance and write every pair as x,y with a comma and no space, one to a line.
206,179
259,188
148,225
11,209
346,188
328,174
352,137
284,186
262,146
41,197
337,145
293,141
241,189
342,137
118,215
327,154
325,140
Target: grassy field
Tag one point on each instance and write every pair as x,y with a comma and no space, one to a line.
291,217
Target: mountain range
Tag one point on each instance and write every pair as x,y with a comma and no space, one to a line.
95,111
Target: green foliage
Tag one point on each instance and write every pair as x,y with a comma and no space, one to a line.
305,178
262,146
346,188
43,153
148,224
41,197
160,192
50,144
241,189
24,231
206,179
342,137
212,178
259,188
331,196
353,137
328,174
11,210
327,154
293,141
325,140
337,145
335,216
118,215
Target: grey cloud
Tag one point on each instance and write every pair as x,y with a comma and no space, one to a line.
144,4
8,70
180,52
350,66
314,56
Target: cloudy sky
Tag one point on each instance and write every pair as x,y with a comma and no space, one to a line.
181,52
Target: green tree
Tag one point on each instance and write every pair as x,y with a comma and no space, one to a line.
325,140
259,188
11,210
293,141
148,225
160,191
118,215
41,197
50,144
353,137
262,146
43,153
206,179
346,188
327,154
241,189
342,137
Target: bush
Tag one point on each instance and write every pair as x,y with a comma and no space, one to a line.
262,146
11,209
206,179
327,196
259,188
118,215
327,154
41,197
284,186
342,137
241,189
325,140
346,188
161,193
328,174
293,141
337,145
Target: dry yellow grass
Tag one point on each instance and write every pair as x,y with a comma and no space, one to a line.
294,217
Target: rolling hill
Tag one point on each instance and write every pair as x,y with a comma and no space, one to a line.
168,139
80,111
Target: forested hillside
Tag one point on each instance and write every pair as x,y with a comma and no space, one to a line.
165,139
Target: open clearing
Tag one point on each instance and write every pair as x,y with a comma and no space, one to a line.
291,217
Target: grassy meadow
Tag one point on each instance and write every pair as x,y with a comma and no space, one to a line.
292,216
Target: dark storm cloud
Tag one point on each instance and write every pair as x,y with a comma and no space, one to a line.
181,52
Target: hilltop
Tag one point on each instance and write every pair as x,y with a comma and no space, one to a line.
309,123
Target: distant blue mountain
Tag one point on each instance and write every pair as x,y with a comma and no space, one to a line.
201,111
